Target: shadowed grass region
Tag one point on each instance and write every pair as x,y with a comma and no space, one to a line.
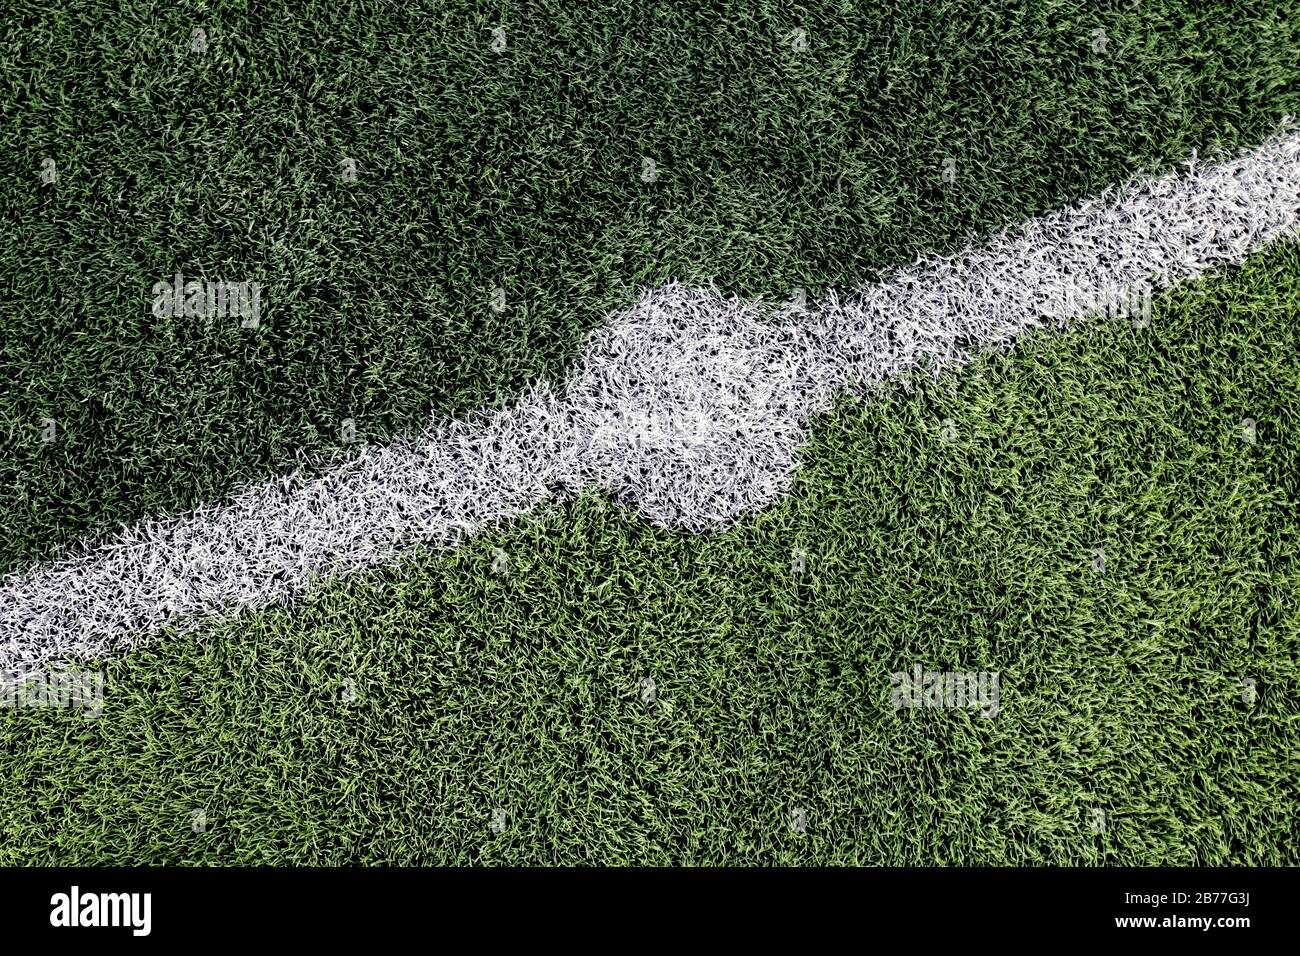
794,146
491,705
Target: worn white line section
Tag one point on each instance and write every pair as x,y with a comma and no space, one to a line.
688,406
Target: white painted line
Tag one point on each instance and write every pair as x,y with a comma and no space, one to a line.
688,406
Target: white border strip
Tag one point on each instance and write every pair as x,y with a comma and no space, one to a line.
688,406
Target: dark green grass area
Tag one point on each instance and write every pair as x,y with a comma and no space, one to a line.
387,718
776,168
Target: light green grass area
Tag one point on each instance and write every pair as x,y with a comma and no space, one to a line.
776,168
387,718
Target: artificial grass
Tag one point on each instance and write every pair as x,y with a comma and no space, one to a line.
387,718
519,169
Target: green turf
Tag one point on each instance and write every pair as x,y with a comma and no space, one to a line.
1121,689
776,169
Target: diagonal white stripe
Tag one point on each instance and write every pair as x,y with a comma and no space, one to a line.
688,406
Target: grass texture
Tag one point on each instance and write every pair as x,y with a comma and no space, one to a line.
518,169
951,524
